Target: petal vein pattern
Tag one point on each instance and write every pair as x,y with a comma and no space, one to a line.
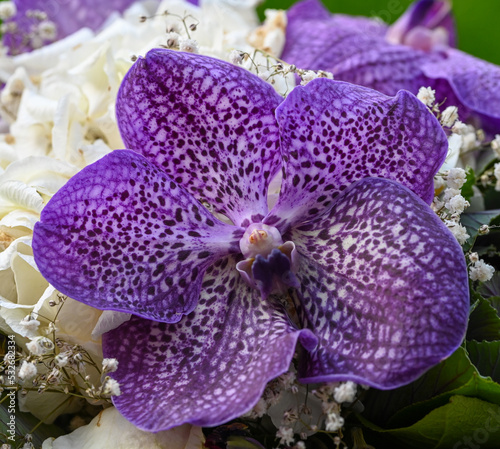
210,367
383,286
334,133
209,125
123,236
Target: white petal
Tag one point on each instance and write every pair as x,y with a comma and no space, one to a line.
110,430
16,194
109,320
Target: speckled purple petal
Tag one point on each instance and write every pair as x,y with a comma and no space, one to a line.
208,124
317,40
384,287
474,86
121,235
210,367
334,133
359,53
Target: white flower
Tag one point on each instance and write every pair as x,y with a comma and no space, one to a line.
270,37
333,422
457,204
30,324
456,178
40,345
110,430
47,30
345,392
61,359
7,10
481,271
496,173
427,96
172,39
307,76
236,57
495,145
189,45
111,387
449,116
449,194
27,370
109,365
474,257
286,435
457,230
460,128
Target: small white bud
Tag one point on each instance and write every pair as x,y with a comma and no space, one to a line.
427,96
188,45
7,10
27,370
40,345
481,271
449,116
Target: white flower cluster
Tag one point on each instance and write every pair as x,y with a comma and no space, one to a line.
451,203
479,270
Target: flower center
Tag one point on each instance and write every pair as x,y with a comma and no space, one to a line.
269,263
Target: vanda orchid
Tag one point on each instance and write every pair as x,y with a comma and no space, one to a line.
356,268
416,51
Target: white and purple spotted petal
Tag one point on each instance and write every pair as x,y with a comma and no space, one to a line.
122,235
208,124
383,285
210,367
334,133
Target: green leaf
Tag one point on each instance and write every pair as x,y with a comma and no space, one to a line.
491,287
484,322
449,375
474,221
453,425
485,355
467,191
25,422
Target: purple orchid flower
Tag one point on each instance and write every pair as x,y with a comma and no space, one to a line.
356,268
68,16
416,51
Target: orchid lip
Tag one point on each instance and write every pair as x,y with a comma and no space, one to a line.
269,264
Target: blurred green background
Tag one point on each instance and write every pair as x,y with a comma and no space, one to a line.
478,22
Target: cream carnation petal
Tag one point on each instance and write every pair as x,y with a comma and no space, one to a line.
6,256
17,194
110,430
109,320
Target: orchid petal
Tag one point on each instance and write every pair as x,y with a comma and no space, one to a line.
426,24
121,235
383,285
73,15
208,124
335,133
315,39
210,367
356,53
466,81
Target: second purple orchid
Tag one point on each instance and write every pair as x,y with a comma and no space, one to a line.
350,263
417,51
